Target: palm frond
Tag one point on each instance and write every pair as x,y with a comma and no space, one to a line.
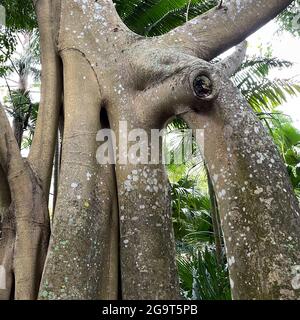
263,93
155,17
201,277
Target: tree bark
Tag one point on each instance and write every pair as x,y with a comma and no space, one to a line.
26,224
259,212
18,131
43,145
83,256
223,26
6,237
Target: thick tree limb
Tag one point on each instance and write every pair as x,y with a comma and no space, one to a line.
85,224
27,224
43,147
259,212
231,64
7,138
7,234
221,28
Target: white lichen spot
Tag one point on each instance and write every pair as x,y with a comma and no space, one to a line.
2,278
74,185
222,193
258,190
268,202
296,277
88,176
231,283
231,261
215,177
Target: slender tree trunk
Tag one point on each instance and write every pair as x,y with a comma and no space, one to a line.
25,223
18,131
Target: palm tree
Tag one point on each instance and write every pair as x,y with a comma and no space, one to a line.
22,67
155,17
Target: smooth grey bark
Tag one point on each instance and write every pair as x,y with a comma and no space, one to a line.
231,64
26,222
156,83
6,235
261,232
223,27
43,146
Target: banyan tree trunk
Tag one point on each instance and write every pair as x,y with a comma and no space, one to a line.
112,234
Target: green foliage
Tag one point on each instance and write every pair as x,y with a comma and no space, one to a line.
287,138
263,93
191,213
26,63
20,16
18,103
155,17
7,47
202,278
289,20
22,109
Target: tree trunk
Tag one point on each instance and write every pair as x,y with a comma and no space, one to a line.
112,233
259,213
18,131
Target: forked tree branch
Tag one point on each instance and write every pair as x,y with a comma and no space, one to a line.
9,150
221,28
231,64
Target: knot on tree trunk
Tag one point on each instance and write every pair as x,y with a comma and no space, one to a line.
204,83
171,82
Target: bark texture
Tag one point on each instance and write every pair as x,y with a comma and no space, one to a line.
25,221
261,233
